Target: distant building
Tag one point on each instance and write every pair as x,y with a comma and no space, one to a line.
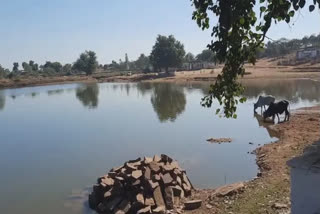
189,66
308,52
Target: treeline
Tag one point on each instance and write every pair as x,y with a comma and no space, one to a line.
284,46
167,52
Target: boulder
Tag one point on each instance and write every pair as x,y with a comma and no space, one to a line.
192,205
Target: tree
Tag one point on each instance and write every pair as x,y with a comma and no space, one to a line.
142,62
189,57
206,56
52,67
3,72
15,67
167,52
26,67
238,36
87,62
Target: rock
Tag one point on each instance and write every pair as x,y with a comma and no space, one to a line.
187,189
152,184
149,201
111,205
144,210
136,183
166,158
219,140
250,143
157,195
154,167
157,177
131,166
178,191
147,173
259,174
168,167
169,198
192,205
136,174
186,180
279,206
156,158
167,179
140,198
108,194
116,169
159,210
107,181
228,190
124,206
141,185
209,206
147,160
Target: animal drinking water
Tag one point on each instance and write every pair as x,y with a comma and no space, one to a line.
263,101
276,109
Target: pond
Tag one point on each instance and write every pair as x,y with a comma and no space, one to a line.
56,140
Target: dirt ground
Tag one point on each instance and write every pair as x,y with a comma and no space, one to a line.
264,69
270,192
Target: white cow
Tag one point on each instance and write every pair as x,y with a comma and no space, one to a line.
264,101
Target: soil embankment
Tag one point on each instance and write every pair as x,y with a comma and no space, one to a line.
264,69
270,192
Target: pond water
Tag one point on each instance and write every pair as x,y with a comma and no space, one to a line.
56,140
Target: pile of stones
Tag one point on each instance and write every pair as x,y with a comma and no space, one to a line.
148,185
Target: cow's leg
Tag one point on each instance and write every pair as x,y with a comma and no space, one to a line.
273,117
278,118
287,114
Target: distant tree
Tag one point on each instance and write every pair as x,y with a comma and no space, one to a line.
52,67
206,56
35,67
67,69
3,72
142,62
105,67
189,57
167,52
26,67
87,62
15,67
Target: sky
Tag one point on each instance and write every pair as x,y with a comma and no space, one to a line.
59,30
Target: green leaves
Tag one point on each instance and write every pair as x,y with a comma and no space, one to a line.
291,13
311,8
242,21
302,3
237,37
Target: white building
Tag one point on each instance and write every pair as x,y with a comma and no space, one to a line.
305,181
308,53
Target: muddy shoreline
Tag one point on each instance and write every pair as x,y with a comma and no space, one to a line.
271,188
262,70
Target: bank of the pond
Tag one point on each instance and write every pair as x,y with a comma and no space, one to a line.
264,69
270,192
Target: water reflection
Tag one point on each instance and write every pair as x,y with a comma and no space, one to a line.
2,100
272,133
88,95
168,101
55,92
291,90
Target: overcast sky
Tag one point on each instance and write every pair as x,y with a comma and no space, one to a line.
59,30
